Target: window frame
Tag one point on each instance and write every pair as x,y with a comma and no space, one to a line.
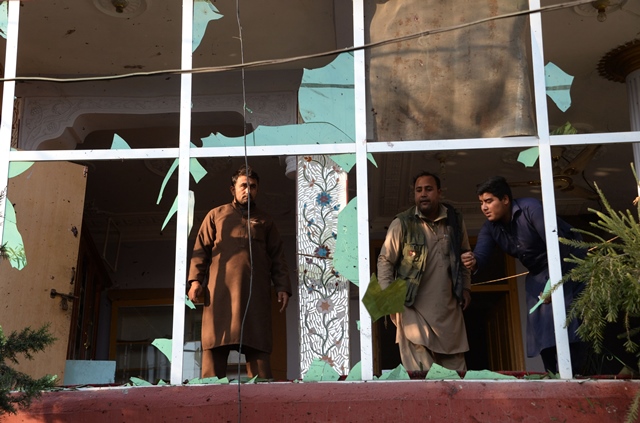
544,141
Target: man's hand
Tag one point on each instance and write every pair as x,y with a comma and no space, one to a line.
466,299
283,298
195,291
546,300
469,261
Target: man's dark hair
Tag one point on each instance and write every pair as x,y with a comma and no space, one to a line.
497,186
425,173
244,171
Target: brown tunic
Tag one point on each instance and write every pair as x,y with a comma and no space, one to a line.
222,250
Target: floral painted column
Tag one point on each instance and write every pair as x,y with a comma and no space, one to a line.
323,292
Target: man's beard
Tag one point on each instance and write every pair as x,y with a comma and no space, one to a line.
426,209
244,205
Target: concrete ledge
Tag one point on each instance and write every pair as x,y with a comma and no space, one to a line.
457,401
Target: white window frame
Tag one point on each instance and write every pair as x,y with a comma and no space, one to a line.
361,148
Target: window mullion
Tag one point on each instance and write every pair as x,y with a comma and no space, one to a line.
366,342
182,228
8,95
548,198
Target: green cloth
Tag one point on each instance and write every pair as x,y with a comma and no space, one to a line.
381,302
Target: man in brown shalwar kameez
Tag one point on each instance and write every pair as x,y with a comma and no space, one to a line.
227,267
423,246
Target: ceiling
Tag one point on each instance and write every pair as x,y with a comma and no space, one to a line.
90,38
69,38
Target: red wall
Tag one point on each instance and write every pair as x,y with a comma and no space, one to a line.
461,401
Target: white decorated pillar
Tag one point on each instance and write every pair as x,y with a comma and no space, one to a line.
323,292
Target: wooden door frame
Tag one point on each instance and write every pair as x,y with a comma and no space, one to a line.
90,279
511,288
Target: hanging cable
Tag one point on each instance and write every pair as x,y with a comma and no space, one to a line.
526,273
249,205
260,63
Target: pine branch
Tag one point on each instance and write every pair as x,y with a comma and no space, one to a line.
17,388
611,274
634,409
3,252
25,342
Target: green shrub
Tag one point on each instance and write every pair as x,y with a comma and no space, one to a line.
17,388
611,274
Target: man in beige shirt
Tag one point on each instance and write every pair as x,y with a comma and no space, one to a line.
423,246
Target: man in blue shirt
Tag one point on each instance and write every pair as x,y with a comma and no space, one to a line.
517,227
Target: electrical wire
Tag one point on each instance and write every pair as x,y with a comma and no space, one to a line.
593,189
260,63
250,238
526,273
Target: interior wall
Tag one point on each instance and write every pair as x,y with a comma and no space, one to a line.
145,265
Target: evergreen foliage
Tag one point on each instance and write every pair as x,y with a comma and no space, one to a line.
611,273
26,342
3,252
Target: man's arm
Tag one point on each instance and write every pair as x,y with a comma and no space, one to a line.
279,268
482,253
195,290
201,256
390,254
466,273
283,298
